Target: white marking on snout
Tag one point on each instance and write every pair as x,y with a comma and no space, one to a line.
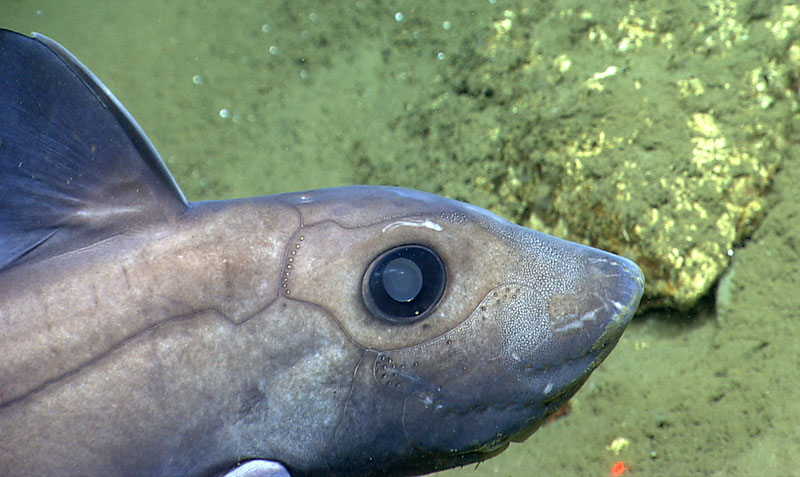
578,322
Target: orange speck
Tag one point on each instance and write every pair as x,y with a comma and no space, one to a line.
618,469
565,409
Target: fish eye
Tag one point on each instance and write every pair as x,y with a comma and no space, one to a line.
404,284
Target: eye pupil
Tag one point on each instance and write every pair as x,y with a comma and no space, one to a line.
404,284
402,279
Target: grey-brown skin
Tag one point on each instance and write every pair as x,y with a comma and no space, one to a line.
144,335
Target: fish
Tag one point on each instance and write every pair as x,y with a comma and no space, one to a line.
351,331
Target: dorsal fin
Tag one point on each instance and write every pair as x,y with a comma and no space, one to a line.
75,168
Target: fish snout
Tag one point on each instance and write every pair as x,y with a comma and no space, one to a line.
554,338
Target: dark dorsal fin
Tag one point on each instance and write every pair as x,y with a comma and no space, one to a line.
75,168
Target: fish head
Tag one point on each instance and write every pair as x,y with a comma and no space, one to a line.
473,329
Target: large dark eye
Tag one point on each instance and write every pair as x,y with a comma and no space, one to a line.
404,284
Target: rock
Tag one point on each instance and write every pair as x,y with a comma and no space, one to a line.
644,131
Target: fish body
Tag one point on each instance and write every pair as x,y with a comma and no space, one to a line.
350,331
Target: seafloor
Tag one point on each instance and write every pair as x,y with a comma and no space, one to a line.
253,98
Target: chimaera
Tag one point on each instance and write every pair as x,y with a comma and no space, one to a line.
348,331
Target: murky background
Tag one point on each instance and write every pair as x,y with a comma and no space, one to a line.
254,98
